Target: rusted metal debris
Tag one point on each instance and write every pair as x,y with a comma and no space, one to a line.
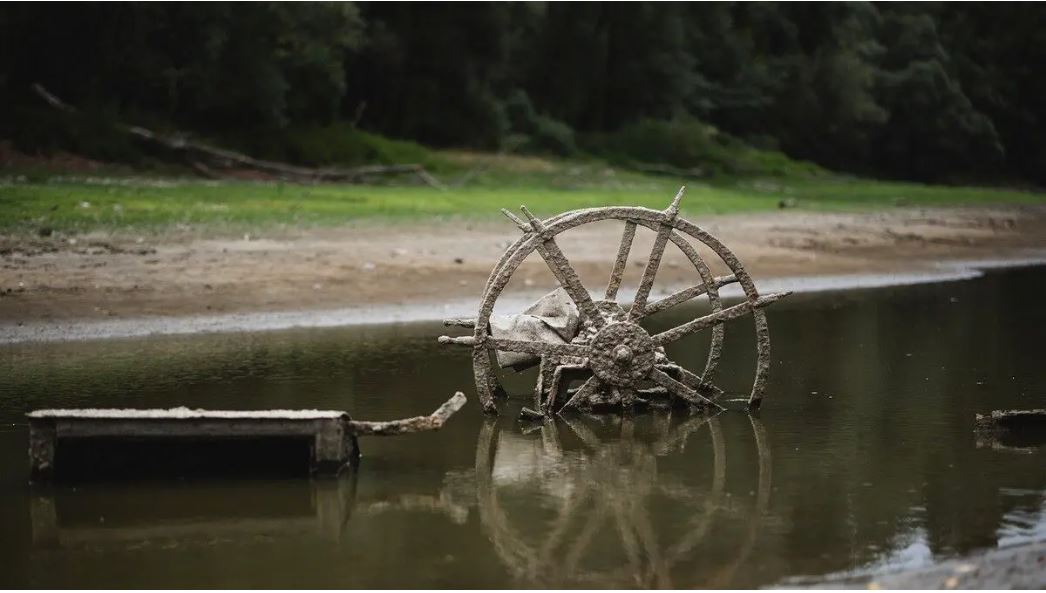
332,433
621,364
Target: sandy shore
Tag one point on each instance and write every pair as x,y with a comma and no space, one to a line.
119,285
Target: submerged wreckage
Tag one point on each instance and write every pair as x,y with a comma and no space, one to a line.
572,337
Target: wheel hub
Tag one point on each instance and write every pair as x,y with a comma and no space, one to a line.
622,354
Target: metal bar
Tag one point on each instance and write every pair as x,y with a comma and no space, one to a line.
622,260
709,320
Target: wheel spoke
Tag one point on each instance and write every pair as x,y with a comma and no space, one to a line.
681,390
652,265
664,231
622,260
568,279
537,348
692,380
711,319
586,390
560,266
686,294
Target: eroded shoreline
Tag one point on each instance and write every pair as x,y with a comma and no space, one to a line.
100,329
122,284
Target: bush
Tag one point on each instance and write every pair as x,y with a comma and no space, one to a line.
532,132
689,145
683,142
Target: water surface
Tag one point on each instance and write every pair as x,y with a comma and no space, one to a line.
862,460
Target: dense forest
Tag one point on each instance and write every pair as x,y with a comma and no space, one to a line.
927,91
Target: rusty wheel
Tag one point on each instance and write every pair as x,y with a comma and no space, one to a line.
620,362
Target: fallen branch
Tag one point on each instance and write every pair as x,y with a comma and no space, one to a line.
227,158
433,421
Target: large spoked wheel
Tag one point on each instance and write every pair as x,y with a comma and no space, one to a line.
621,363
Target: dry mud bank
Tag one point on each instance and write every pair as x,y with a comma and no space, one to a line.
130,285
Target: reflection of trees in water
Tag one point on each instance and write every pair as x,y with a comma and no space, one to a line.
613,483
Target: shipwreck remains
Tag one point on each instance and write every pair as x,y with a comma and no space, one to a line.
329,435
602,343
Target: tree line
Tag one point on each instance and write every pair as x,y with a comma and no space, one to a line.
930,91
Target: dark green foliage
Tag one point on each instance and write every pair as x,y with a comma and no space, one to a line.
930,91
336,143
40,129
691,148
207,64
533,132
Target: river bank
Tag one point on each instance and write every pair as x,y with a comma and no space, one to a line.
118,285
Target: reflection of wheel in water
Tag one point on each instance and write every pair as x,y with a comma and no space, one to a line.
620,363
615,483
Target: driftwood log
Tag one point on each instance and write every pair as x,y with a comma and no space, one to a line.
206,158
433,421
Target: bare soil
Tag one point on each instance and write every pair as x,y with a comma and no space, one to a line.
47,279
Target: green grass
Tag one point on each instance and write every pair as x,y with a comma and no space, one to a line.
546,187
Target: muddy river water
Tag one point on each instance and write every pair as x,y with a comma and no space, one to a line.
863,459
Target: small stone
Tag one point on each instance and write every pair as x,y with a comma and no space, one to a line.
369,266
85,204
459,260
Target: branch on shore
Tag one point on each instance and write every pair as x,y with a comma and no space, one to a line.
197,153
433,421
